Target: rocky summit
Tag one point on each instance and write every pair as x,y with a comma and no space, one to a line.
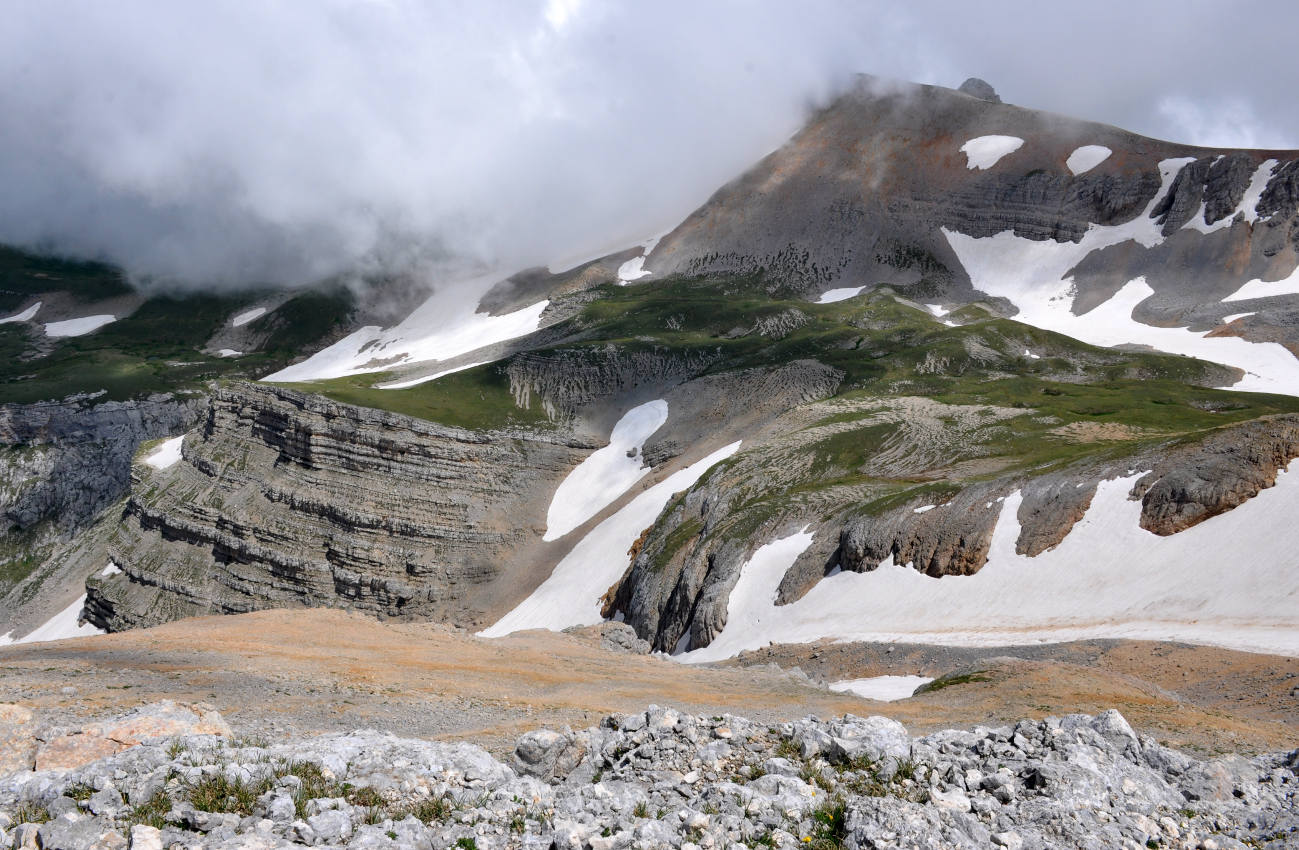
656,779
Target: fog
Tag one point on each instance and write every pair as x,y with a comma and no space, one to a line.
229,143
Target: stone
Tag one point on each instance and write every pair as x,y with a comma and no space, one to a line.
953,799
332,825
976,87
145,837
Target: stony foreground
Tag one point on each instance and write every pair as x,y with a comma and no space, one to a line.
655,779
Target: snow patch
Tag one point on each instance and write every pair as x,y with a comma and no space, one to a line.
881,688
937,309
167,453
1086,158
1228,319
442,328
424,379
1257,185
607,473
923,509
248,316
111,570
634,269
986,151
572,595
78,327
1258,288
59,627
1228,581
832,295
229,352
24,316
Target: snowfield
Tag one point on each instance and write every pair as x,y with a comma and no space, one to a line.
24,316
882,688
634,269
607,473
166,454
78,327
1086,158
443,327
1229,581
59,627
248,316
1034,276
572,594
986,151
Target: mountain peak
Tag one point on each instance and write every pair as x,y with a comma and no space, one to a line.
981,89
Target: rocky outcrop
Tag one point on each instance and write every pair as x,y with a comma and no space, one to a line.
1215,475
678,587
286,499
68,460
981,89
661,778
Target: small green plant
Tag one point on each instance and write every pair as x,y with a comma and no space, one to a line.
953,679
151,812
31,813
466,844
432,809
175,748
830,825
79,791
787,749
641,810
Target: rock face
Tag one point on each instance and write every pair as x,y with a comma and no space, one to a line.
287,499
73,457
662,778
1220,473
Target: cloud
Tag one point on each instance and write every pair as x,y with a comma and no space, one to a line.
232,143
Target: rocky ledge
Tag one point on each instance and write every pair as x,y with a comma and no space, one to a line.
665,779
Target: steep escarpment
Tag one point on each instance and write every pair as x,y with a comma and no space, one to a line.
285,499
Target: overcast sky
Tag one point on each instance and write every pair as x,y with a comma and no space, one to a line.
221,143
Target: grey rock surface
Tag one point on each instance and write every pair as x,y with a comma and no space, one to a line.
660,778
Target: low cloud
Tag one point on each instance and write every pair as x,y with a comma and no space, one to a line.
230,143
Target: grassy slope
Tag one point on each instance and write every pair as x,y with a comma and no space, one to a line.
886,348
155,349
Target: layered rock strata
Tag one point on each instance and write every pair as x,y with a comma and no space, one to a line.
288,499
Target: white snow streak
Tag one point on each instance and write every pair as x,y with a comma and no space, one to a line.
1228,581
1086,158
881,688
634,269
229,352
424,379
832,295
571,596
248,316
167,453
1257,184
607,473
986,151
62,625
111,570
1228,319
78,327
25,315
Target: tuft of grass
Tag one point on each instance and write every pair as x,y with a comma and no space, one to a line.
28,812
151,812
830,825
79,791
952,680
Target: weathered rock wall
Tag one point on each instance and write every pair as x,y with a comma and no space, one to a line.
287,499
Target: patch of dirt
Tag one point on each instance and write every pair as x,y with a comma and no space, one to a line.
1101,432
276,673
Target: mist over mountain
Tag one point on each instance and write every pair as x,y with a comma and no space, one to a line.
229,144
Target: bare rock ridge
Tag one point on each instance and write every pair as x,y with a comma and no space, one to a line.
288,499
976,87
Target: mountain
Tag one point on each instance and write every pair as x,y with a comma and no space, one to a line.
939,369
